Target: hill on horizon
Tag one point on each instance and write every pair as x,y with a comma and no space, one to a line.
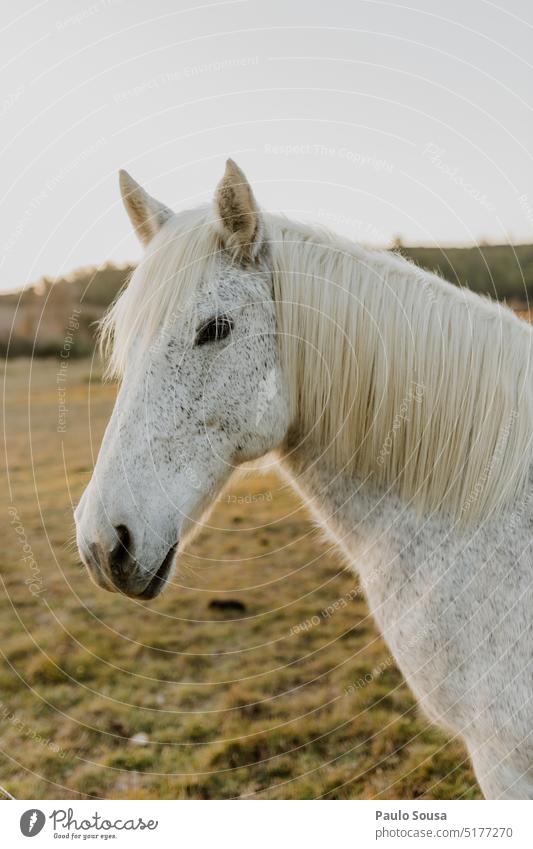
54,313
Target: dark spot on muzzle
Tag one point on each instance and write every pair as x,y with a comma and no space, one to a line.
120,570
160,578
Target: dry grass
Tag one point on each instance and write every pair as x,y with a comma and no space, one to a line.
232,704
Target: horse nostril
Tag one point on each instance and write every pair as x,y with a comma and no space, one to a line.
122,553
123,534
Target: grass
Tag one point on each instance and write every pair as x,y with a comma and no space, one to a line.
102,696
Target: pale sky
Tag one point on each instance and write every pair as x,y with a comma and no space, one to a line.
374,118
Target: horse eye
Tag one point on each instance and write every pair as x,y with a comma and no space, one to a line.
216,328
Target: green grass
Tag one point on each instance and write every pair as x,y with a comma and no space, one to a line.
233,705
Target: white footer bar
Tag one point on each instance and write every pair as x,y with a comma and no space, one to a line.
265,824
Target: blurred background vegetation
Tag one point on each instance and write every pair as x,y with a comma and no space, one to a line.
504,272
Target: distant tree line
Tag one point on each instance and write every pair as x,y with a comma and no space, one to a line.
504,272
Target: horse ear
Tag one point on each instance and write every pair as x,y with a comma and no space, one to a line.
238,216
145,212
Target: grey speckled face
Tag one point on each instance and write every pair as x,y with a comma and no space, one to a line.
206,396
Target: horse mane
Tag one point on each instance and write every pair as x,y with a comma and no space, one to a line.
396,375
400,377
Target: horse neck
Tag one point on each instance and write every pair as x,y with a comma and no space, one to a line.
356,517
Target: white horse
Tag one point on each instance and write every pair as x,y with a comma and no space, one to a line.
400,407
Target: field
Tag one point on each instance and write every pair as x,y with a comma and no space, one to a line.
292,696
